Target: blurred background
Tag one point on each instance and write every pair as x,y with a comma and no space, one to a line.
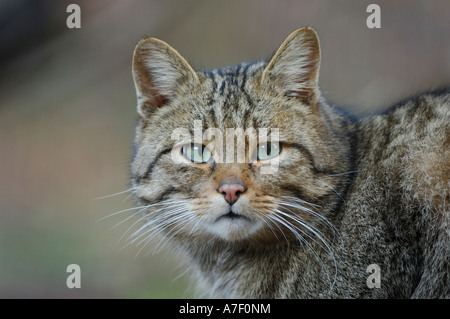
68,111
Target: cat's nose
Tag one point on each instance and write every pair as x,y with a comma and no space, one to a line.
231,192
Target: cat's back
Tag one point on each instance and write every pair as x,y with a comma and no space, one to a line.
402,193
411,143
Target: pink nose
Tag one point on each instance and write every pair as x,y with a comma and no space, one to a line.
231,192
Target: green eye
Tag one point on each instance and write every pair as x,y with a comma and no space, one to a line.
196,153
268,150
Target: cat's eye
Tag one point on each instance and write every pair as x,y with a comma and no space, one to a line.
268,150
196,153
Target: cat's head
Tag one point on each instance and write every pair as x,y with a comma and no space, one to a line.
238,153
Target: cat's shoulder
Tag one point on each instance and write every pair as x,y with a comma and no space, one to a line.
426,161
412,140
435,102
411,118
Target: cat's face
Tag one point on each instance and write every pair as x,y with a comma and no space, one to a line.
236,153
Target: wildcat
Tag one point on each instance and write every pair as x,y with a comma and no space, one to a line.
345,194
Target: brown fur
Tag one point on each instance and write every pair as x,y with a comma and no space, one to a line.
346,194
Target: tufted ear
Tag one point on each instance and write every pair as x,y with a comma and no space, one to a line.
158,72
294,69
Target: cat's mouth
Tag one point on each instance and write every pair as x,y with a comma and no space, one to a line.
231,216
232,224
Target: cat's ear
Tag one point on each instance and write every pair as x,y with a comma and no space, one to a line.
295,66
158,72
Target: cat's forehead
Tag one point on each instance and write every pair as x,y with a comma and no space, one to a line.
232,98
236,75
228,97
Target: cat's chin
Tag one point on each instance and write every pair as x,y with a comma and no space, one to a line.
233,227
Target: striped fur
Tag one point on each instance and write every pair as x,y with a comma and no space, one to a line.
346,194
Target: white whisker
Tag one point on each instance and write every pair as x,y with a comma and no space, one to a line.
164,203
335,191
282,221
119,193
120,212
312,212
189,219
162,227
196,224
271,228
131,227
295,199
273,219
339,174
287,217
168,217
302,223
